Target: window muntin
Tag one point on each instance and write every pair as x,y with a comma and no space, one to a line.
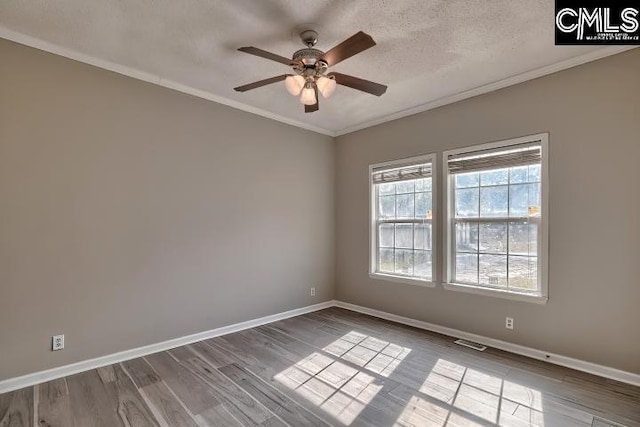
495,217
402,211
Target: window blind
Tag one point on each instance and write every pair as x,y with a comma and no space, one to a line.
404,173
504,157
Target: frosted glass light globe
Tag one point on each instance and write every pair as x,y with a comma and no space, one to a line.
308,96
294,84
326,86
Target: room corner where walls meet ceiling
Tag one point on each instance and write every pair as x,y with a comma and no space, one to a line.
429,53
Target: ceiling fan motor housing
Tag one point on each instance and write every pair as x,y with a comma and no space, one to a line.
306,62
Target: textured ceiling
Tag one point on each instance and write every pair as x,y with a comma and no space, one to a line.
427,49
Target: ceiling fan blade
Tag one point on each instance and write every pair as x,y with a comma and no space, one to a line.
354,44
314,107
359,84
260,83
264,54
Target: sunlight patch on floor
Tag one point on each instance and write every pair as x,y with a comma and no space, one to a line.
371,353
346,375
422,412
332,379
454,395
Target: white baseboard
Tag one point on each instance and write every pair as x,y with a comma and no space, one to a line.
557,359
74,368
85,365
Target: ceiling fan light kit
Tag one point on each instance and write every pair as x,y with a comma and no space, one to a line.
308,96
294,84
326,85
310,67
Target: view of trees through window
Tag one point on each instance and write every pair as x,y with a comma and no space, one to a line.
497,215
404,228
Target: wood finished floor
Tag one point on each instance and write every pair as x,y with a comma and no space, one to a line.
331,367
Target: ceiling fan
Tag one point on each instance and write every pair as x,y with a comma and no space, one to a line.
310,66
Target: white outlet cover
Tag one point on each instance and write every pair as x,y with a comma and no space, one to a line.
57,342
509,322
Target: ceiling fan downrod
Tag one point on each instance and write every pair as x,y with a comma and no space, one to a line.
309,38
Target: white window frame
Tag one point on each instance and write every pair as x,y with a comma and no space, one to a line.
373,233
543,229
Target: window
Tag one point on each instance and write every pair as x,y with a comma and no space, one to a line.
401,220
496,218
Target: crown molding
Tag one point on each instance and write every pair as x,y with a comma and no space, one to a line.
36,43
500,84
170,84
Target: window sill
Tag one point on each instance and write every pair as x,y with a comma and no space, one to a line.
497,293
402,279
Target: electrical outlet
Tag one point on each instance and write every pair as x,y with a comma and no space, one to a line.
57,342
313,292
509,323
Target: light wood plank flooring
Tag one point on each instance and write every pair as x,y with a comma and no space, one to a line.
332,367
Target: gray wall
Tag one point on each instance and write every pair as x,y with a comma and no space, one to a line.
131,214
593,118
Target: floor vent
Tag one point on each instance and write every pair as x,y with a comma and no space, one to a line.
471,344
